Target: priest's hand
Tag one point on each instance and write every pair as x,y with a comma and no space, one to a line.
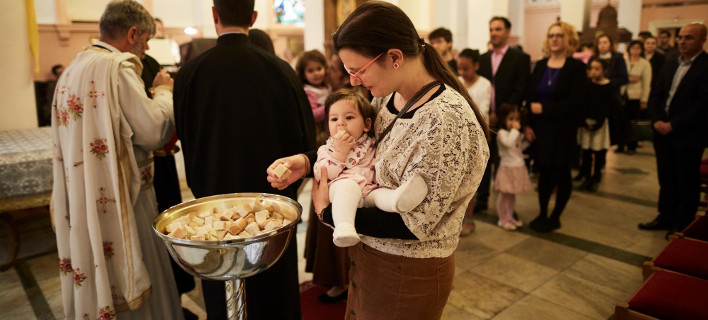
298,164
163,79
320,193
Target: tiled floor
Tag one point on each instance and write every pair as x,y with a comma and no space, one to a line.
578,272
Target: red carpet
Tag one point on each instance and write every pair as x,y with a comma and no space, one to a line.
313,309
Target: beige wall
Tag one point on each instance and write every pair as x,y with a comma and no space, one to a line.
536,24
59,44
17,110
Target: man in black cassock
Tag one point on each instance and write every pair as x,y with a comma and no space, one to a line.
166,182
238,109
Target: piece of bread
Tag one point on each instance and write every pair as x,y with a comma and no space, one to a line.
179,233
203,230
172,227
253,228
261,217
239,221
238,226
281,171
209,221
218,225
198,237
198,221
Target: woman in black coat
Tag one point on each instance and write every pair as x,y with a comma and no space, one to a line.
620,125
554,100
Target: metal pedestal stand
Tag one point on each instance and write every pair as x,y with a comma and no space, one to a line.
230,261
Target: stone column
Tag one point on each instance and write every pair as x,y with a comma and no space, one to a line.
576,13
314,25
629,15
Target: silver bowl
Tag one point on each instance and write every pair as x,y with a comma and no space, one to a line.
229,260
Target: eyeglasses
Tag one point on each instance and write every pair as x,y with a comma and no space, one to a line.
356,74
555,35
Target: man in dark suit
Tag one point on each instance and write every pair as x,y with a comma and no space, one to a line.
237,109
508,70
679,109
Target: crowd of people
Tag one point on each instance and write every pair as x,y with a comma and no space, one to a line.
394,129
603,101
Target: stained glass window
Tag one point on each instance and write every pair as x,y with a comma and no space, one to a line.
289,11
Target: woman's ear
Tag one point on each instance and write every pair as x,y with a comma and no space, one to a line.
367,124
396,56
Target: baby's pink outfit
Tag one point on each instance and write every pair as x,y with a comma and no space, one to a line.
359,165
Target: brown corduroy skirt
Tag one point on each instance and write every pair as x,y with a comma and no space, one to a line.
391,287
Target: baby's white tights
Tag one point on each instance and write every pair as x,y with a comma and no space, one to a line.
346,197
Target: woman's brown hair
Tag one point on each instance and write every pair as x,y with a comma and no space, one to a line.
612,44
366,110
377,26
307,56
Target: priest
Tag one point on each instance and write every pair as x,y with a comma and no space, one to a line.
237,109
104,129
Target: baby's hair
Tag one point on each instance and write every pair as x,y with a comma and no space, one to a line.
307,56
365,108
603,63
504,111
473,55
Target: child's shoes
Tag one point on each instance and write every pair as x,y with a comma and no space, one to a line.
517,223
508,226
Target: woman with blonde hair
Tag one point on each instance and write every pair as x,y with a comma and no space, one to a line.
554,100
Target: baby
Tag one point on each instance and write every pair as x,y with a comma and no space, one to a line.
348,155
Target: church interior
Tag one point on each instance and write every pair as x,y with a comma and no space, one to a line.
595,266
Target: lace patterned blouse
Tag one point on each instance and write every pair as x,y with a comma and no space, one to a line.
444,143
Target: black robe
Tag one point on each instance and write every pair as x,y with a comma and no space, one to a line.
165,179
238,109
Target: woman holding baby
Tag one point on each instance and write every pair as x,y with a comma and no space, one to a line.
427,127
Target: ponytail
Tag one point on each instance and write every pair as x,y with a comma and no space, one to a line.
440,70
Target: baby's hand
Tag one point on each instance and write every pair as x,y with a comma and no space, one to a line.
343,143
516,124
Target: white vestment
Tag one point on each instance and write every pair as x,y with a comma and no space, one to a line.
104,129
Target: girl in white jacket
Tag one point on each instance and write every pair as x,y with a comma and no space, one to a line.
512,176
